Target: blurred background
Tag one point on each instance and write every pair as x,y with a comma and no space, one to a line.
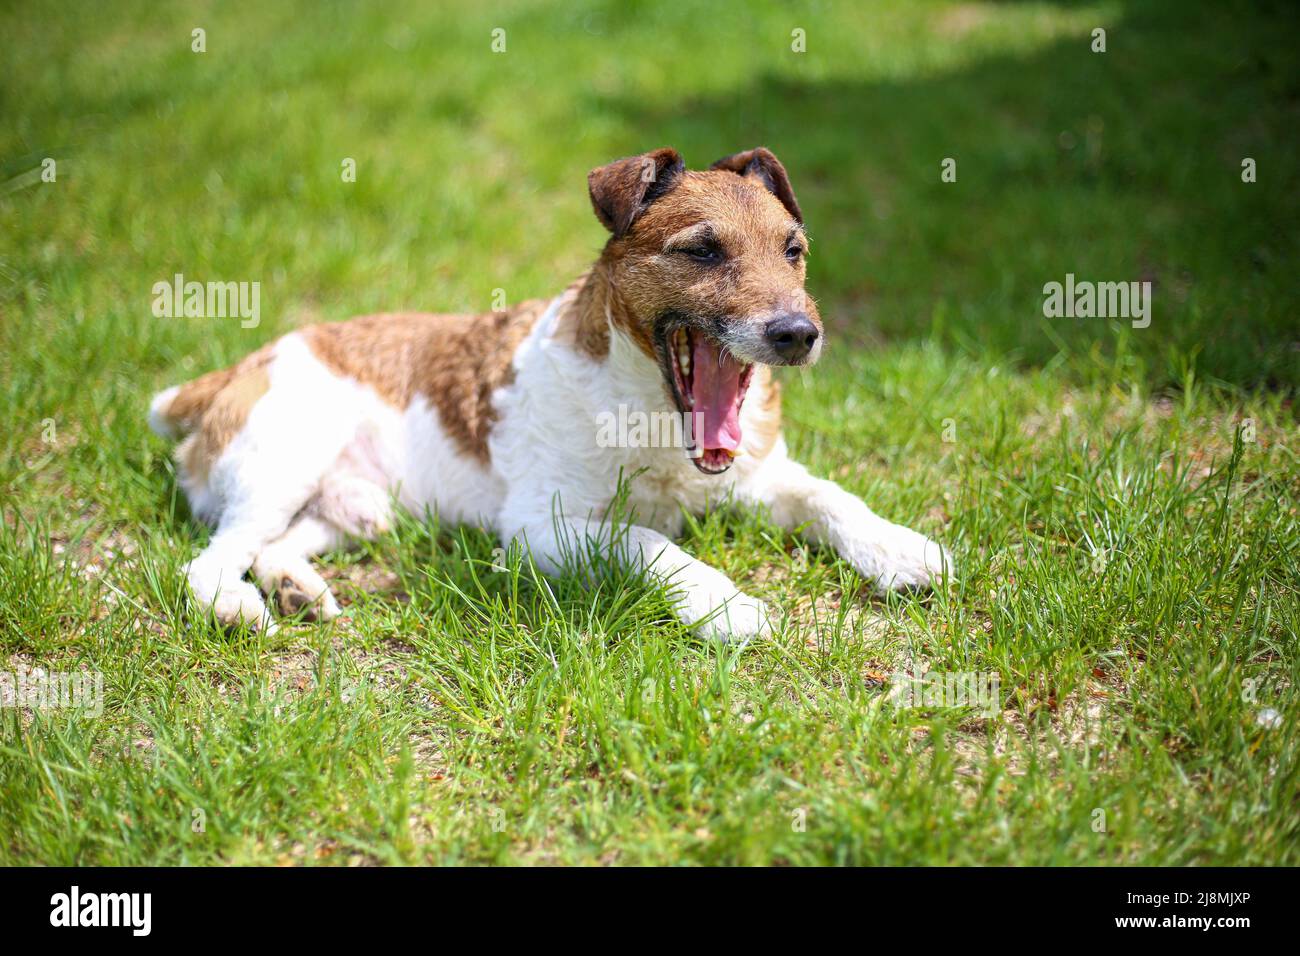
471,163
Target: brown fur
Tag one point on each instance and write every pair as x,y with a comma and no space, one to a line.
622,190
752,211
761,165
454,361
194,399
213,408
582,323
752,225
230,395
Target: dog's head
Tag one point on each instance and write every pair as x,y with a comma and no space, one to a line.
709,266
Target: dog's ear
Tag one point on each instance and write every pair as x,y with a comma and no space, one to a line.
761,164
625,188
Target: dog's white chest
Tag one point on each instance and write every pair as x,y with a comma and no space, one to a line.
570,428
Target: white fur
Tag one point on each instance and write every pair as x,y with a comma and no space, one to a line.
321,459
158,419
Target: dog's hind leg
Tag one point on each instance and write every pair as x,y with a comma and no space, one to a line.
262,477
347,505
258,486
283,568
266,481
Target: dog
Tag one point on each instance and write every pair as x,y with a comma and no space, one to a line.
698,294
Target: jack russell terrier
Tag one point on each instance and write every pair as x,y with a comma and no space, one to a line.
313,439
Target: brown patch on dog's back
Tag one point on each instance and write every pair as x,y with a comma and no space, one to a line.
214,407
454,361
193,399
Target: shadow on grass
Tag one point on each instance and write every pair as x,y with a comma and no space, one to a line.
1117,166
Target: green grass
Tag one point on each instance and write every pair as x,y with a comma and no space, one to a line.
1122,502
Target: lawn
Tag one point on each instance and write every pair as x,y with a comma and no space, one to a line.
1122,500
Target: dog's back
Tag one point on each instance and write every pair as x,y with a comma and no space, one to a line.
451,362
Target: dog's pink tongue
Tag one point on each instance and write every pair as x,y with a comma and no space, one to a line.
716,387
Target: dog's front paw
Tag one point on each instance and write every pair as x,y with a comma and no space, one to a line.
900,559
912,562
719,611
737,618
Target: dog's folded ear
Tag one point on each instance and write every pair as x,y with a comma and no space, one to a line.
625,188
761,164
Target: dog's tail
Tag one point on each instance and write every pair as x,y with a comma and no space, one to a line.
176,411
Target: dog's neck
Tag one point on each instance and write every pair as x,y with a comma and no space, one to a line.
595,319
592,307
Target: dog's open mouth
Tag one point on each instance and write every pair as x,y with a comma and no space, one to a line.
709,384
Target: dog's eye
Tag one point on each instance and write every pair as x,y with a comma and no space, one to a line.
707,254
794,253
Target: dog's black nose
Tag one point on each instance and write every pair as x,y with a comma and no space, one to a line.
792,336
